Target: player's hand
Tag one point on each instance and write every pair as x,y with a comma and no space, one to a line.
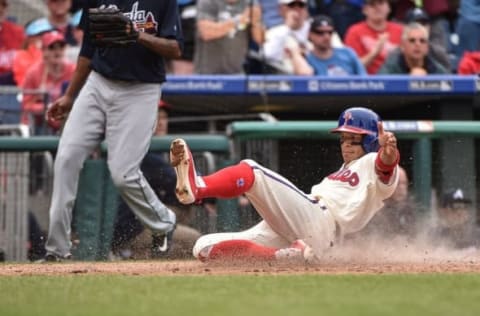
388,142
57,111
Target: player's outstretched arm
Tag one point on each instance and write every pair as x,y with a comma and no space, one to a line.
388,155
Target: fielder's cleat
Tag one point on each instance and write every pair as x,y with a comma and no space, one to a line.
296,251
50,257
162,243
181,159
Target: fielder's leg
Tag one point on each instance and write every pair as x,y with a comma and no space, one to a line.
82,132
131,119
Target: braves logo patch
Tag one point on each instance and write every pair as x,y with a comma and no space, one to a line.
144,21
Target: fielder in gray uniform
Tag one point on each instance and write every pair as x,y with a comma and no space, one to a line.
118,78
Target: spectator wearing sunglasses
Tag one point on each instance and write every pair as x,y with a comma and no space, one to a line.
291,35
436,45
414,57
324,59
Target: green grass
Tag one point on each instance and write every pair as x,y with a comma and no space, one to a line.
436,294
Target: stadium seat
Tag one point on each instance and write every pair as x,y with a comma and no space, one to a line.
10,108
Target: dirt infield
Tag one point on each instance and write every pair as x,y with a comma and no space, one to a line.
356,259
369,256
190,267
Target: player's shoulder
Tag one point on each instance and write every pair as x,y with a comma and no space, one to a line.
368,157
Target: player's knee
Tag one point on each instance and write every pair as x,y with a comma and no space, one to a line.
250,162
120,180
123,180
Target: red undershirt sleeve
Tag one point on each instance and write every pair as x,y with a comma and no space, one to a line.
383,170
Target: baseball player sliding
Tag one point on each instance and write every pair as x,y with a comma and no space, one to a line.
296,224
117,80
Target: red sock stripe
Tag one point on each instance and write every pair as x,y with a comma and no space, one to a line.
229,182
241,249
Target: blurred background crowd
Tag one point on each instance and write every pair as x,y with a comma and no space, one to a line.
40,40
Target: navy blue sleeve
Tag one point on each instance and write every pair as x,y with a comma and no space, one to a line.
171,27
87,48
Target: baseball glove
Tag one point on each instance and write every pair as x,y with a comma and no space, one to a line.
111,28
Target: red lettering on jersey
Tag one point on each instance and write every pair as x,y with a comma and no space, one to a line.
345,176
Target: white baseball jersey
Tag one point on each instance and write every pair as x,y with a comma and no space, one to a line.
355,193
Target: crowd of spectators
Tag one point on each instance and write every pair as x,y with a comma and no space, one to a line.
39,57
223,37
236,33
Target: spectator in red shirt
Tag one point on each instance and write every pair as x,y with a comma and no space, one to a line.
375,37
469,64
45,78
11,39
32,49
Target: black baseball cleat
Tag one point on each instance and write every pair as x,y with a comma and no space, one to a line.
50,257
161,244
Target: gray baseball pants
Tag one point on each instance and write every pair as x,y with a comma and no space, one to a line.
124,114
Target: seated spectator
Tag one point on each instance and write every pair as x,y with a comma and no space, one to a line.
374,38
437,51
414,57
43,81
161,175
441,14
292,33
324,59
32,49
59,18
222,35
11,39
469,64
456,219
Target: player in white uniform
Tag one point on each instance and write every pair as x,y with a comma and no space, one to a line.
296,224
